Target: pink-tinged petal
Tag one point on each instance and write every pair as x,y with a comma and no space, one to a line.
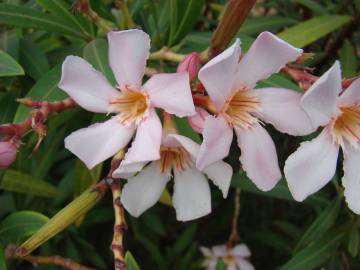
281,108
87,86
146,145
220,250
351,179
128,52
319,101
98,142
190,64
241,250
175,140
191,197
351,94
258,156
144,190
171,92
206,251
217,137
218,74
311,166
244,264
127,171
220,173
197,122
267,55
232,266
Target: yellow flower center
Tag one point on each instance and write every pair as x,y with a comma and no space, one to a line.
239,110
132,105
347,126
176,158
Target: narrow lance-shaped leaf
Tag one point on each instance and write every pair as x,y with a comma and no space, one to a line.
8,66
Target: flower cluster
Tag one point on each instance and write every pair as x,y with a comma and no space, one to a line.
158,153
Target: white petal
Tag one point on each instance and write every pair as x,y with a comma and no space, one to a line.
127,171
143,190
87,86
351,179
191,197
351,94
220,173
281,108
171,92
319,101
218,74
241,250
190,146
128,52
258,156
146,145
244,264
206,252
98,142
217,140
220,250
267,55
311,166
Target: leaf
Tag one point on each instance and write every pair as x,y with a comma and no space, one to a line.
348,59
44,89
184,240
256,25
9,43
185,129
278,80
314,255
220,265
24,183
354,242
311,30
33,59
321,224
8,106
17,226
165,198
316,8
2,259
8,66
14,15
130,262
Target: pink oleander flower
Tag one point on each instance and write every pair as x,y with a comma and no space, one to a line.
230,84
313,164
197,121
190,64
8,151
236,258
134,105
191,198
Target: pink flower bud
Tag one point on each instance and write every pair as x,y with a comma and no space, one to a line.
190,64
7,153
198,120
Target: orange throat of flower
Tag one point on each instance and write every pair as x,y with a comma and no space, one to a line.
240,108
132,105
346,127
176,158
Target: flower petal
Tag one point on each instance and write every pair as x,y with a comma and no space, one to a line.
171,92
191,197
241,250
128,52
320,99
244,264
174,140
258,156
281,108
351,94
98,142
351,179
220,250
218,74
127,171
216,144
267,55
87,86
197,121
311,166
206,252
220,173
144,190
146,145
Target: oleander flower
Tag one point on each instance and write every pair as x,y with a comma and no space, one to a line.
313,164
134,105
191,198
236,258
230,84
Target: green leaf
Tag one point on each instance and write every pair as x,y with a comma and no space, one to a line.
96,52
2,259
316,254
130,262
84,177
9,43
354,242
220,265
14,15
33,59
24,183
185,129
321,224
8,106
44,89
8,66
256,25
184,240
17,226
278,80
311,30
315,7
348,59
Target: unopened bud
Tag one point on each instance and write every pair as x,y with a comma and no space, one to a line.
7,153
190,64
197,121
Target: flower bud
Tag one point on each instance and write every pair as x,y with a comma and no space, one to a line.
190,64
197,121
7,153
